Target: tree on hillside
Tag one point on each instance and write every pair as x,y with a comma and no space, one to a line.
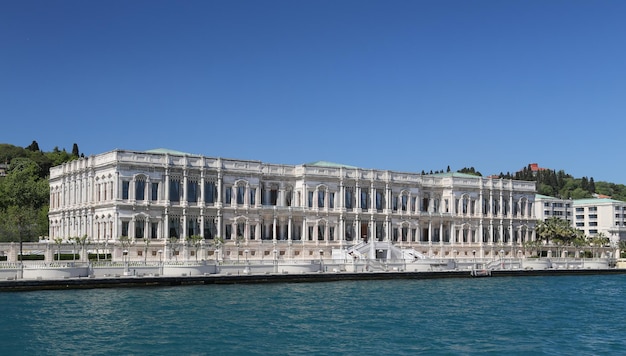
75,152
470,170
34,146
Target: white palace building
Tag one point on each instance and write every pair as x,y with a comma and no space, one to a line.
308,211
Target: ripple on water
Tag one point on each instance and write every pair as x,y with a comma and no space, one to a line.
532,315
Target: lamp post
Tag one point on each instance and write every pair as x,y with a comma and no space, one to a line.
474,254
582,258
237,244
454,254
275,261
160,252
125,261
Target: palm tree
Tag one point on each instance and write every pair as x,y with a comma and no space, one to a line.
81,241
580,241
599,240
58,241
219,243
557,230
196,241
622,247
146,243
173,242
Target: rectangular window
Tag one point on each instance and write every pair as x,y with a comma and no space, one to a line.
394,203
139,226
252,196
140,189
252,233
379,200
380,231
349,230
404,202
241,229
229,231
349,196
210,192
364,201
154,230
240,194
227,193
192,191
174,190
288,197
210,229
321,194
310,202
125,188
155,191
174,228
124,228
331,200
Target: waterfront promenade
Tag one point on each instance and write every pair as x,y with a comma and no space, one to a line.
120,281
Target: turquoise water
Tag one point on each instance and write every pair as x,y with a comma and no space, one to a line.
568,315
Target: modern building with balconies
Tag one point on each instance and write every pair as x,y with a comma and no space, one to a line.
601,216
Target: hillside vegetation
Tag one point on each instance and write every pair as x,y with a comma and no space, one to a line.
24,191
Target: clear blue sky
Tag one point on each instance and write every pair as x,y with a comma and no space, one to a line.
401,85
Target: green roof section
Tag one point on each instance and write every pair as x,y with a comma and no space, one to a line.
541,196
596,201
169,152
454,175
328,164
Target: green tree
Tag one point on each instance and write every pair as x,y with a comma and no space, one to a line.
556,230
597,241
196,242
58,241
75,152
34,146
81,241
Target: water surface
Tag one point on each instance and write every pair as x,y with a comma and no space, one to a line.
562,315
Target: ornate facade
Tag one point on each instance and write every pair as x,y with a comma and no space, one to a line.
299,211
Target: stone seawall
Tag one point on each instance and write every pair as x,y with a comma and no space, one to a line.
163,281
